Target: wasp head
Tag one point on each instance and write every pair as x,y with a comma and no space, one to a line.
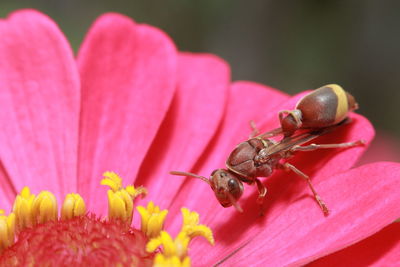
227,188
225,184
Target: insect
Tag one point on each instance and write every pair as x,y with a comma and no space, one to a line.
259,156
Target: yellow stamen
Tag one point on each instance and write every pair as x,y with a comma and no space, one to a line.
120,205
7,230
120,200
171,248
135,192
30,210
44,207
161,261
23,209
112,180
176,251
152,219
192,227
189,218
73,205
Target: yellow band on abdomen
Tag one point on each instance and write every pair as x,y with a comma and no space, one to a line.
342,104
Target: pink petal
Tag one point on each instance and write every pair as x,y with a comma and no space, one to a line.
128,74
380,249
40,104
362,203
191,122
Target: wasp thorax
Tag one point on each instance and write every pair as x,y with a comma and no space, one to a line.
226,186
262,157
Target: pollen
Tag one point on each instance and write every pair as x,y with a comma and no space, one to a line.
152,219
120,200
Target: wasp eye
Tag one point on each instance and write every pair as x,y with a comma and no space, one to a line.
233,184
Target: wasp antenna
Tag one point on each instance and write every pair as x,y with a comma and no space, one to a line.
191,175
235,203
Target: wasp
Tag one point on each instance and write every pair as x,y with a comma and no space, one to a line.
317,113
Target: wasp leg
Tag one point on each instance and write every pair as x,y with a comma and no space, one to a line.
295,114
312,147
254,130
262,192
288,166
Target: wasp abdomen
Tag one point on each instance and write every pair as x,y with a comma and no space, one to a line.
325,106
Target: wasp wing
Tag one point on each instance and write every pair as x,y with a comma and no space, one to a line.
269,134
289,142
302,138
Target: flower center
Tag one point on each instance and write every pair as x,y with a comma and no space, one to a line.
32,234
80,241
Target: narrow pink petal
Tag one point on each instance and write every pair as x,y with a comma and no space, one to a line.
191,122
40,104
380,249
244,104
128,74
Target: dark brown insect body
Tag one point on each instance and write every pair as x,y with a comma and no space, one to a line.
259,156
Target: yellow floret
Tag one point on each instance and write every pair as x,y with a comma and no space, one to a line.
192,227
171,248
7,230
175,251
152,219
161,261
120,200
44,207
73,205
22,209
112,180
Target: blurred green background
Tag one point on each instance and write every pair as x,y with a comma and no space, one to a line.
290,45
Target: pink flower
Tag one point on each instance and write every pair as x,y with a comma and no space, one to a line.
131,103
